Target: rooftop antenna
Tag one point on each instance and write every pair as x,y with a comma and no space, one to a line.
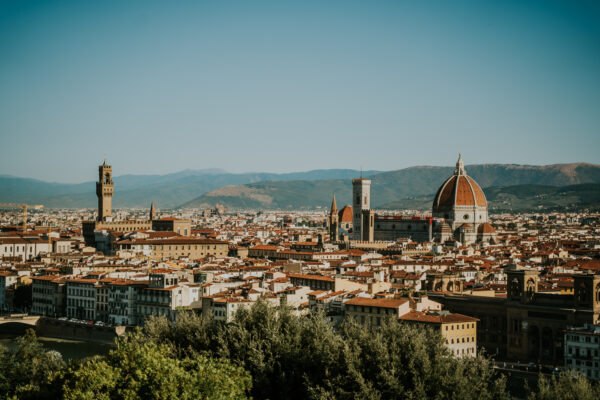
361,172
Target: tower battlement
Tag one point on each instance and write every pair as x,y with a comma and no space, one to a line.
105,189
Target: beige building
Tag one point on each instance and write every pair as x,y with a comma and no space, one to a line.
459,331
373,311
176,247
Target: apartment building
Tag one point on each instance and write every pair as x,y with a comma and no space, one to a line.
7,280
122,295
582,350
48,295
373,311
82,298
459,331
25,248
224,308
162,296
175,247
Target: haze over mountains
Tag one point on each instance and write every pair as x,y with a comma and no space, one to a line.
391,188
405,188
167,191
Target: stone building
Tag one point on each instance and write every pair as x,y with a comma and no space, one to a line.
461,203
104,221
528,325
105,189
361,201
459,212
333,221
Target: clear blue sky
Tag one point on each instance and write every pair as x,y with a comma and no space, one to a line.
160,86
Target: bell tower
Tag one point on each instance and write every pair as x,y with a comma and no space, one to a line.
104,191
361,200
334,222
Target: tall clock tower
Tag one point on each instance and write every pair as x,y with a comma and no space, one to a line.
104,191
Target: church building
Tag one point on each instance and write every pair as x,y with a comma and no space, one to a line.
459,212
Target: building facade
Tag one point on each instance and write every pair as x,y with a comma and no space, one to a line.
104,220
582,350
48,295
528,325
361,200
104,190
459,212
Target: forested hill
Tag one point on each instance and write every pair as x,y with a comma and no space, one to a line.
166,191
391,187
523,198
298,190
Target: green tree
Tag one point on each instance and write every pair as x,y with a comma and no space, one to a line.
568,386
28,371
141,369
298,357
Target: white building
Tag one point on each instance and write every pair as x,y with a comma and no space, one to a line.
48,295
81,298
7,280
582,350
122,295
25,248
163,296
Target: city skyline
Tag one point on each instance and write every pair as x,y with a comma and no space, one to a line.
159,88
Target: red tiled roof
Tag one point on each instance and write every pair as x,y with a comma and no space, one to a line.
417,316
382,303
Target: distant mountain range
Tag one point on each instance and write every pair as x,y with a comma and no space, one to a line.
166,191
396,189
508,186
522,198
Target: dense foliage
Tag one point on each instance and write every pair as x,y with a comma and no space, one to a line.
134,369
567,386
29,371
266,352
293,357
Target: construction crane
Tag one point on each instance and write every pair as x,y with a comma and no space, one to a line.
24,207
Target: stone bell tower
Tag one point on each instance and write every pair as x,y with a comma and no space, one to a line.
333,221
104,191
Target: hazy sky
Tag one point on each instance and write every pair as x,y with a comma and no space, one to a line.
160,86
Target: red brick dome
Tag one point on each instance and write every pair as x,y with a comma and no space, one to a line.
459,190
486,228
345,214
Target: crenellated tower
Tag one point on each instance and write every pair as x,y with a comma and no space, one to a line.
104,190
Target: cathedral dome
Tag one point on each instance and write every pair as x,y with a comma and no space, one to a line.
459,190
345,214
486,228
